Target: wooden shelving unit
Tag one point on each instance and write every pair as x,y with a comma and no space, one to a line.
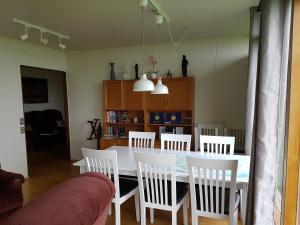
170,125
119,97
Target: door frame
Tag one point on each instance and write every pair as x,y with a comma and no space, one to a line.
290,203
67,154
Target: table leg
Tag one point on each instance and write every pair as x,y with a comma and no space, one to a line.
82,169
243,203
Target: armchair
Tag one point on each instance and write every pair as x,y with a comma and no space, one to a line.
11,196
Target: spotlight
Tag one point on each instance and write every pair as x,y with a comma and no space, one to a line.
61,45
25,35
43,40
159,19
143,3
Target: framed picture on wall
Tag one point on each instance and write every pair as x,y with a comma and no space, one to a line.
35,90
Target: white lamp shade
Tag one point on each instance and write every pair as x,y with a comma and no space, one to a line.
160,89
143,84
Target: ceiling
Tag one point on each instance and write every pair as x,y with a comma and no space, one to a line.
93,24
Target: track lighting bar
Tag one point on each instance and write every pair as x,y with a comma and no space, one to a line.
42,29
157,10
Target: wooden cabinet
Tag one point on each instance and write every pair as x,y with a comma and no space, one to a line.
156,102
180,97
108,142
113,94
181,94
132,100
138,106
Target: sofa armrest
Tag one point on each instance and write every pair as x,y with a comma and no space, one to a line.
9,179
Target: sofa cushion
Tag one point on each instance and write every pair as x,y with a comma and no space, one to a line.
83,200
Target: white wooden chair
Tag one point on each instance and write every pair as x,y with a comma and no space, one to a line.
160,189
213,188
139,139
217,144
207,129
105,162
176,142
239,133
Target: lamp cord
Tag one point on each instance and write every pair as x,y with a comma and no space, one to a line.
158,61
143,40
176,43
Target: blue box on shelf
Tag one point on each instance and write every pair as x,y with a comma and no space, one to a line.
173,118
157,117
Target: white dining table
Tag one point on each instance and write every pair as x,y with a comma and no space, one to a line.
126,166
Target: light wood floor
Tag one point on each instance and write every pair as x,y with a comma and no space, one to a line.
46,170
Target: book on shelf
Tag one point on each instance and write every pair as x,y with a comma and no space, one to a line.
123,117
111,117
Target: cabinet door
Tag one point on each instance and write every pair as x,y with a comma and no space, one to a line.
155,102
123,142
106,143
181,93
132,100
113,94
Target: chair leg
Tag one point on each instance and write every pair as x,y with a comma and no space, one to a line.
137,207
174,217
118,214
143,215
194,219
151,215
235,220
185,211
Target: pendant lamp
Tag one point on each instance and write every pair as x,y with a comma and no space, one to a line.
143,84
160,89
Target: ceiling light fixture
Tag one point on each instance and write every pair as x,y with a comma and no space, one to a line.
161,16
42,31
160,89
25,35
43,40
143,84
61,45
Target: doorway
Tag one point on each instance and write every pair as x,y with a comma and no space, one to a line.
45,104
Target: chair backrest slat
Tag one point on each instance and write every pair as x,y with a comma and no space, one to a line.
217,144
104,162
210,129
207,129
208,178
139,139
176,142
156,171
239,133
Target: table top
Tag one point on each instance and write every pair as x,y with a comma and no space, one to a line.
127,166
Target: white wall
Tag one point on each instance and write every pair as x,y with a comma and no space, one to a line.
14,53
219,65
55,89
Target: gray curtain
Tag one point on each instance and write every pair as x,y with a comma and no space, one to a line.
269,102
252,75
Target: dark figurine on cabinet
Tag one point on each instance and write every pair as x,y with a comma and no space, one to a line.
184,65
136,68
112,71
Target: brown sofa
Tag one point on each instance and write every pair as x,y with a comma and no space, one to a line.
11,196
84,200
